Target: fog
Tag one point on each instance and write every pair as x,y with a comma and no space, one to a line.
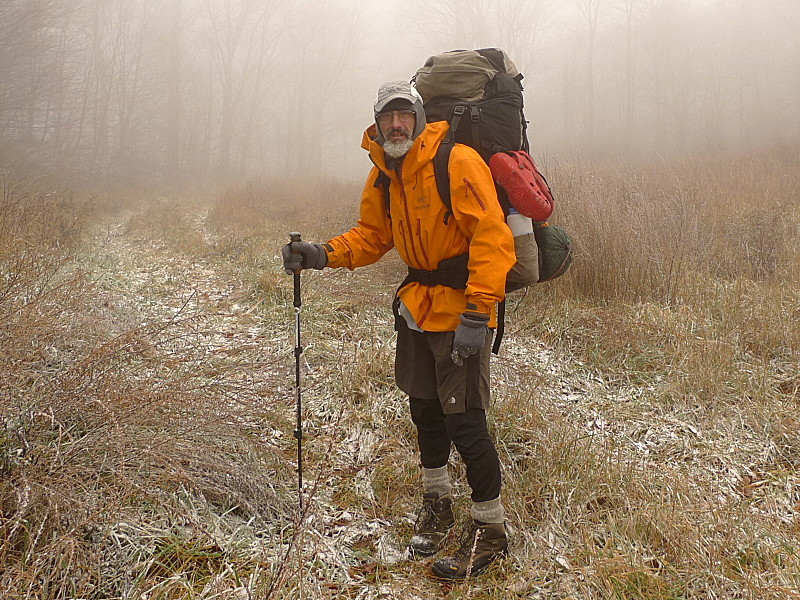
180,91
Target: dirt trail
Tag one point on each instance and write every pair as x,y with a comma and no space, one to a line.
158,279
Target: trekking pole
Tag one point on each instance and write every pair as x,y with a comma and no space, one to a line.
298,350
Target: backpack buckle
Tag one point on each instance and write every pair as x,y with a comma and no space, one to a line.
474,114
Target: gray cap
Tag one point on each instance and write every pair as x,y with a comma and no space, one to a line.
396,90
400,90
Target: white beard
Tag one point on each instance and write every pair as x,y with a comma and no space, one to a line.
398,148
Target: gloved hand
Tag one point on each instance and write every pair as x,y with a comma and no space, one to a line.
303,255
470,336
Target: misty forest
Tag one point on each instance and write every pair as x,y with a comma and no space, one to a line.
155,155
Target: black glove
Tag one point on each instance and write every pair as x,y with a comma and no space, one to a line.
303,255
470,336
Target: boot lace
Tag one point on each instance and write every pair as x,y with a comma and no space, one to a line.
426,518
467,542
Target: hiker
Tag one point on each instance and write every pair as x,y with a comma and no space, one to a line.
444,327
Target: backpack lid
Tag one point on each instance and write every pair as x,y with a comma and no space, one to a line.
458,74
462,74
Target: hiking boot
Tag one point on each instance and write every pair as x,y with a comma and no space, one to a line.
434,520
480,545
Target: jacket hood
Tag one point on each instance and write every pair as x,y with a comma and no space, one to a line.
423,150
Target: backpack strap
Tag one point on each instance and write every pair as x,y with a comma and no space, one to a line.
441,169
501,326
475,130
455,121
451,272
471,109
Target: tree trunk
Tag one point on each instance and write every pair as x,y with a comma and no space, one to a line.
173,129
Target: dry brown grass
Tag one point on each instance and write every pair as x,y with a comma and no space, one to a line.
111,415
647,233
683,302
645,404
692,271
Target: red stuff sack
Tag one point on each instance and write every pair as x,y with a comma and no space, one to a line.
527,190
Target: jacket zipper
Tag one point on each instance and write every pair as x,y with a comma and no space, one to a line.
413,246
408,217
421,247
474,193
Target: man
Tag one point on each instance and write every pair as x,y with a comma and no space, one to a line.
458,260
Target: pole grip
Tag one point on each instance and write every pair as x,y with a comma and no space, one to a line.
295,237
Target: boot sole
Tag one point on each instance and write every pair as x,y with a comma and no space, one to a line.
421,554
427,553
442,575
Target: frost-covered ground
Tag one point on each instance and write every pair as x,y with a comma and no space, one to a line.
593,464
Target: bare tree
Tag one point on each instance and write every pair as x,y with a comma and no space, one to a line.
174,97
319,77
630,9
589,12
453,24
521,25
30,35
205,88
236,31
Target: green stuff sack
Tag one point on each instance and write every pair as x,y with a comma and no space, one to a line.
555,250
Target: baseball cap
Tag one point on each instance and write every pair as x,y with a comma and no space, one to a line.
396,90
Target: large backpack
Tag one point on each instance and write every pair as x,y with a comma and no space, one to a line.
479,93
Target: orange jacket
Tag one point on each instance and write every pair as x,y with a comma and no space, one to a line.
418,230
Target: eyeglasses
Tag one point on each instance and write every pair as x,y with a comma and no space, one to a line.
386,118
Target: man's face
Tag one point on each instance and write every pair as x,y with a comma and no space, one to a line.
397,125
